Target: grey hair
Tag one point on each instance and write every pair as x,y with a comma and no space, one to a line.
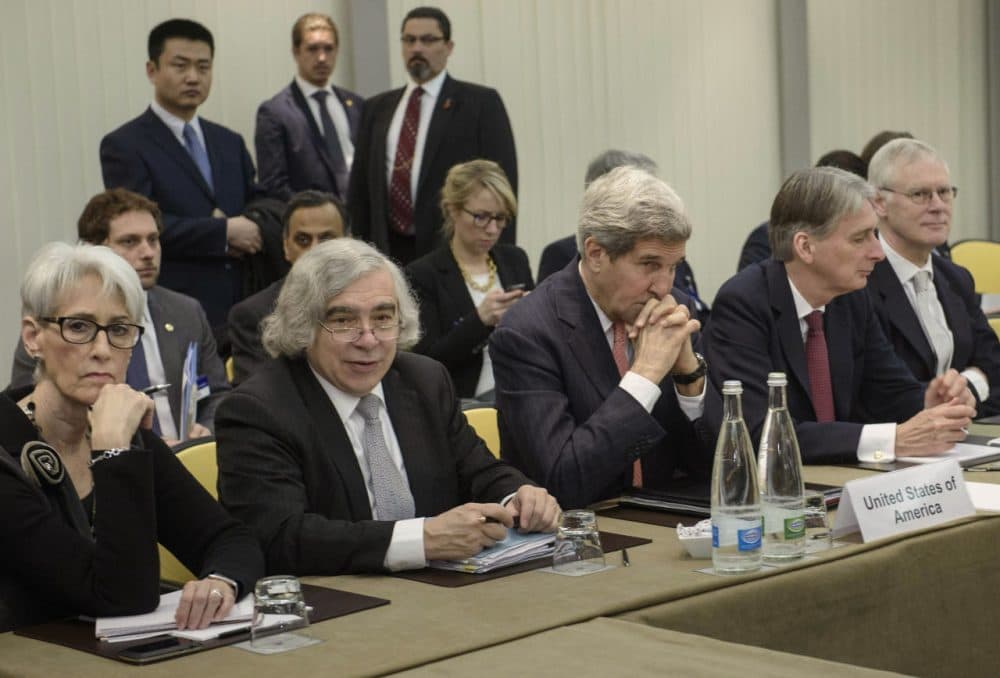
59,267
627,205
612,158
895,154
814,200
318,276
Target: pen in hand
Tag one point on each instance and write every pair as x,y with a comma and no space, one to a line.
156,388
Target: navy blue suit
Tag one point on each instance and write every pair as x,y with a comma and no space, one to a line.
291,152
755,330
144,156
976,343
563,419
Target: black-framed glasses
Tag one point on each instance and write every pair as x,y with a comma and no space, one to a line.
385,330
84,331
425,40
923,196
483,219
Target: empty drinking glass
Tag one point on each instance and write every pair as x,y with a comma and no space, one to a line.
578,544
818,537
278,608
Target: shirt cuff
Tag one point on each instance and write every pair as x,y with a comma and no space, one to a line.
978,382
877,443
642,389
693,406
406,548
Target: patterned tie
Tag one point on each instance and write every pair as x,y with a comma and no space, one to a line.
393,499
818,364
198,154
932,320
400,200
137,376
619,349
332,143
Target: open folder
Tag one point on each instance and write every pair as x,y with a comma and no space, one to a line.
161,620
514,548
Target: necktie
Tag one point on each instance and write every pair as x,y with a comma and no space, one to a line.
619,350
818,365
932,320
400,200
137,376
332,143
393,499
198,154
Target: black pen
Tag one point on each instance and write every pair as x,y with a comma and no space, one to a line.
625,561
150,390
490,519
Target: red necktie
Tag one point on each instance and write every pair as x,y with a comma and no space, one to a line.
818,364
619,351
400,201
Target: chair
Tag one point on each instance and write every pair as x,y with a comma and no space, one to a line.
199,459
484,421
230,373
982,258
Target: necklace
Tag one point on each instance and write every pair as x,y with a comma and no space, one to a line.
468,277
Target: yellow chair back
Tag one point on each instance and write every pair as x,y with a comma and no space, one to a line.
982,258
484,421
230,373
199,460
995,324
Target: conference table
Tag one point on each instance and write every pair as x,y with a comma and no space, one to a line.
923,603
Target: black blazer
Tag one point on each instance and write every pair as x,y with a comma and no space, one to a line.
291,152
755,330
976,343
287,467
244,330
53,567
469,122
453,334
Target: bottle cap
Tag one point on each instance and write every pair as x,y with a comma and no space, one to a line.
777,379
732,387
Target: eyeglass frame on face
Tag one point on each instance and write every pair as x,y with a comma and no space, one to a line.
425,40
481,220
352,333
924,196
96,327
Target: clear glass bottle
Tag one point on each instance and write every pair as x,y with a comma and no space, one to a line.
736,517
779,471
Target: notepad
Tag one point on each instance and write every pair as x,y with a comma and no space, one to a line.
161,620
514,548
975,450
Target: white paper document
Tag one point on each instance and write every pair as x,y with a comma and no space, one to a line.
985,496
161,620
963,453
515,548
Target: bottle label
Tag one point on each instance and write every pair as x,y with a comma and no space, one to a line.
795,527
749,539
715,536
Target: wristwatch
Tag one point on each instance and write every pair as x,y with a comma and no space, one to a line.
691,377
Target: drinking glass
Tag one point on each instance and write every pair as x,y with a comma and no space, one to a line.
818,536
578,544
277,609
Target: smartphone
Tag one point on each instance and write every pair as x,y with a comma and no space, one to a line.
157,649
517,286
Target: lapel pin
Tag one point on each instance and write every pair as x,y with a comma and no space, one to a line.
169,327
447,104
349,103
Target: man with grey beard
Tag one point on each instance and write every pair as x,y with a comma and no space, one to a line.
410,137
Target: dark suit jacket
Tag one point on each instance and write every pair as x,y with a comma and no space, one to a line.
179,320
755,330
756,248
469,122
144,156
291,152
560,252
563,419
244,331
287,468
453,334
976,343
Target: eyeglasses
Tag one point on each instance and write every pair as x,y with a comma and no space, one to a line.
385,330
483,219
425,40
923,196
83,331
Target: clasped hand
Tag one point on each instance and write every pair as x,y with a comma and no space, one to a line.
662,334
116,415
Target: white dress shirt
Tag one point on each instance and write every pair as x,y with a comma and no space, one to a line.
176,125
337,113
485,382
432,88
157,375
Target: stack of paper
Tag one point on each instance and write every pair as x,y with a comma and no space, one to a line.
515,548
161,620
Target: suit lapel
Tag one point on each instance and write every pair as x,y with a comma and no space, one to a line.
403,403
441,121
170,352
901,313
787,320
958,322
161,135
381,129
587,341
317,137
352,109
838,327
452,282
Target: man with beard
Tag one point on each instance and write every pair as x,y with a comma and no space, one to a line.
410,137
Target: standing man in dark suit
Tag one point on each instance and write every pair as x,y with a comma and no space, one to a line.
199,173
598,384
346,455
305,133
130,225
410,137
805,312
927,304
312,217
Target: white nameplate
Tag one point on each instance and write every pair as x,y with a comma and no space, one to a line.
902,501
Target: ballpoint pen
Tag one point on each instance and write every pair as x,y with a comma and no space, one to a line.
625,561
155,388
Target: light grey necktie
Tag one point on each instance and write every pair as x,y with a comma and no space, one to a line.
393,499
932,320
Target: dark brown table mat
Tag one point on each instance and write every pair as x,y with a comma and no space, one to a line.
648,516
79,635
610,542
